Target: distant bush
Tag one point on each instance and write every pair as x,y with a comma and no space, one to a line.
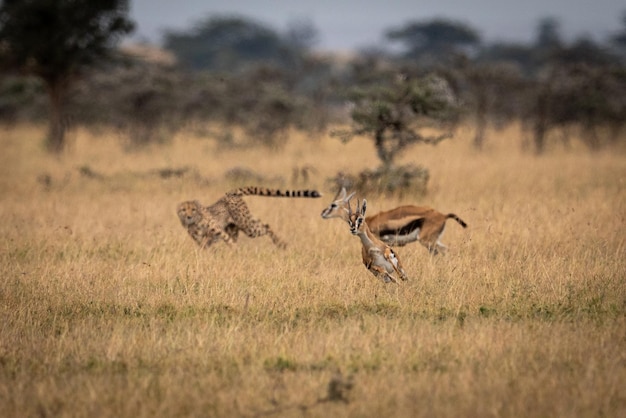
407,179
22,98
142,101
149,103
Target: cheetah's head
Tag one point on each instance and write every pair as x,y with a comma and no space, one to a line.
189,212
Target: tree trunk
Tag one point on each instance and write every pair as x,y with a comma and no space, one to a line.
55,141
481,120
385,156
541,123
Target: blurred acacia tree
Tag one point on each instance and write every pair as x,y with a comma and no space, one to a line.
397,115
434,40
227,43
619,38
492,93
589,98
56,40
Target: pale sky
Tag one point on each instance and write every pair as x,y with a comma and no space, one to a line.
353,24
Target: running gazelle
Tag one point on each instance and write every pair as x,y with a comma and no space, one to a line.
399,226
378,257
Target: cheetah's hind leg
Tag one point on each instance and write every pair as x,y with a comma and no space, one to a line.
253,227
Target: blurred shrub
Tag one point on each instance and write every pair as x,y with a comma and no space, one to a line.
22,98
402,180
149,103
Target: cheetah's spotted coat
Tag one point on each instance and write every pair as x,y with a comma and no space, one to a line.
229,215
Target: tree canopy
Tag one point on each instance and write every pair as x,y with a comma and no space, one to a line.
226,42
57,39
434,37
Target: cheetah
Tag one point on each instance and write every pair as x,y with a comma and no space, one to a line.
225,218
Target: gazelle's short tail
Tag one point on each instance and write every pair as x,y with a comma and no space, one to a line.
456,218
264,191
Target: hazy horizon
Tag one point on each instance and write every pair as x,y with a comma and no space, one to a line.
351,24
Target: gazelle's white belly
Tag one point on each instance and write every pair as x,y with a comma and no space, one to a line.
379,259
392,239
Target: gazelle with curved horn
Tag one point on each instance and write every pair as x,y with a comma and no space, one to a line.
378,257
399,226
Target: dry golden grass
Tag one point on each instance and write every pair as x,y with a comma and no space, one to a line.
109,309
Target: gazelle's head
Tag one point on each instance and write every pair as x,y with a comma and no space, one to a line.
339,207
356,219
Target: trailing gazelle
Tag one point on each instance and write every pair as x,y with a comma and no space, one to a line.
399,226
377,256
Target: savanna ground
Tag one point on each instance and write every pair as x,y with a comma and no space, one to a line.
109,308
